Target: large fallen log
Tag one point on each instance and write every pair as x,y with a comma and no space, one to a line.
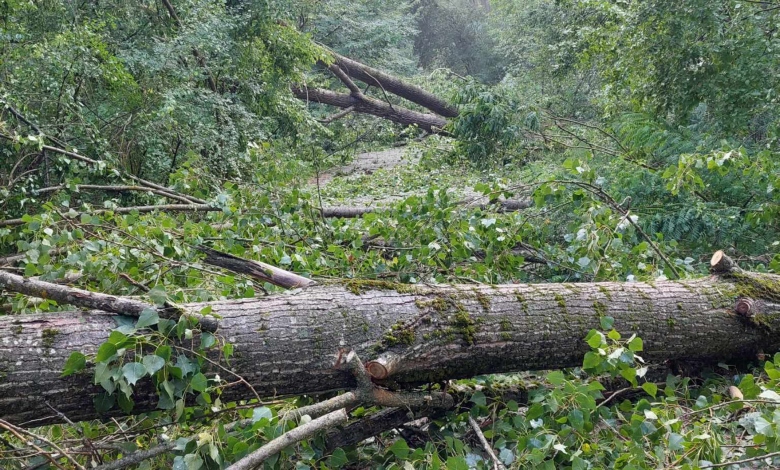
289,344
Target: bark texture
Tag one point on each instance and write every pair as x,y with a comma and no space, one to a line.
289,344
368,105
394,85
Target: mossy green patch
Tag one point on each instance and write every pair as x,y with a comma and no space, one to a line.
523,303
600,308
483,300
361,286
606,292
561,302
47,337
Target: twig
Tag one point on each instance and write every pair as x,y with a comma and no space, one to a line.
289,438
497,465
138,457
16,431
737,462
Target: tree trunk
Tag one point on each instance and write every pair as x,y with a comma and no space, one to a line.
395,85
368,105
288,344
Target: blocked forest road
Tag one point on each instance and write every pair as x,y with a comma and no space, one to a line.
288,344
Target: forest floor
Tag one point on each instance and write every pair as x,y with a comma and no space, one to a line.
385,177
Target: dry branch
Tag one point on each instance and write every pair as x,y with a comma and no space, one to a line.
65,295
255,269
289,438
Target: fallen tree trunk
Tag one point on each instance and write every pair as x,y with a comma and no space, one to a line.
361,103
289,344
394,85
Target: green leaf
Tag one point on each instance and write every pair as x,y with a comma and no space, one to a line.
207,340
158,295
105,352
104,402
133,372
262,412
629,373
227,351
76,362
676,442
148,317
595,339
613,335
338,458
650,388
636,344
153,363
456,463
199,382
606,322
556,377
400,449
125,403
591,361
478,398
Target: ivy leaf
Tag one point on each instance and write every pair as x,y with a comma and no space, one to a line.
199,382
650,388
153,363
76,362
133,372
207,340
148,317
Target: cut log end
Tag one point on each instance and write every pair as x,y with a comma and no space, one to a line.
744,307
721,263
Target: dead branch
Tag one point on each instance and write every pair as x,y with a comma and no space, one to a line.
255,269
93,300
289,438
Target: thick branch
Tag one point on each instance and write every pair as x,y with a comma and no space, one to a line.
395,85
368,105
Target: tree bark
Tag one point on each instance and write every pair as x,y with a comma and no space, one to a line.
368,105
289,344
394,85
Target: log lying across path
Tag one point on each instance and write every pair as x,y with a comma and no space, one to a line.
289,344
